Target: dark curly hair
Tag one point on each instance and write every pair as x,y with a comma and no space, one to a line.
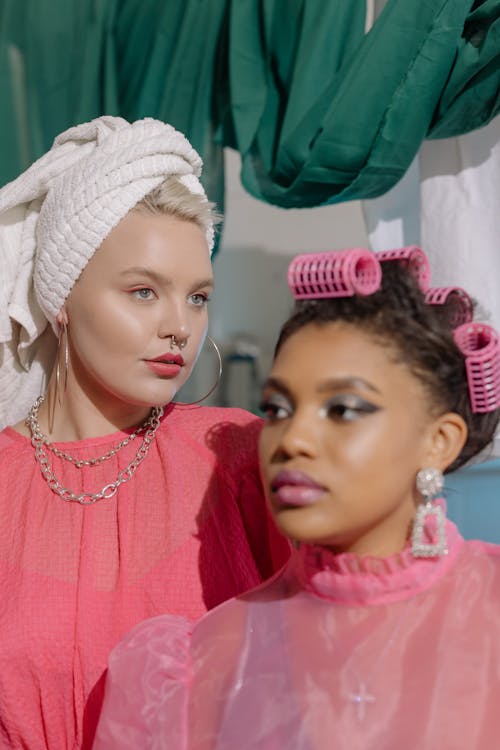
420,336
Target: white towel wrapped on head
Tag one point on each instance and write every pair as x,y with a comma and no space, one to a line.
53,218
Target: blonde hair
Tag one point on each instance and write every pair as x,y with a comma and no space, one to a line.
173,198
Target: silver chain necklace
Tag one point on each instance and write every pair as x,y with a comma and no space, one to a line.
361,697
40,442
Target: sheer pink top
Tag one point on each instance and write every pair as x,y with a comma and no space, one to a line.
335,652
187,532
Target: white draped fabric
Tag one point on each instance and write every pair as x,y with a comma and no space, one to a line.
449,204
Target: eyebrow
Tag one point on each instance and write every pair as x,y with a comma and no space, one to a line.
347,382
143,271
326,386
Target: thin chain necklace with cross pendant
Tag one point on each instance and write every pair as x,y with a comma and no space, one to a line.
361,697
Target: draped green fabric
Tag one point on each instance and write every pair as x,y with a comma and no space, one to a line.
320,111
328,127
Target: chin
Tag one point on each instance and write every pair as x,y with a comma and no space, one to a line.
299,531
148,397
163,392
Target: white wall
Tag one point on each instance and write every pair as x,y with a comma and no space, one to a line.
251,298
251,223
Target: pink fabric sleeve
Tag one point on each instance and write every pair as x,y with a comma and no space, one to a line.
271,550
235,445
146,688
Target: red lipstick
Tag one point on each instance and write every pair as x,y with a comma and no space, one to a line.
296,488
166,365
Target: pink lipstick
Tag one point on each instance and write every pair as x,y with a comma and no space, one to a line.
296,488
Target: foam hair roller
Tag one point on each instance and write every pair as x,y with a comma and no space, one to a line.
480,345
418,265
340,273
456,303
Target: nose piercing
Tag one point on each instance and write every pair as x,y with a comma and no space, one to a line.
179,343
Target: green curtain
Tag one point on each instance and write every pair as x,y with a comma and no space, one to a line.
320,111
323,113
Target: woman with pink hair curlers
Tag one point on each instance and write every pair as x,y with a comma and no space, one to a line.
382,629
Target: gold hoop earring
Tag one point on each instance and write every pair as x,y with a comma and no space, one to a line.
219,375
63,330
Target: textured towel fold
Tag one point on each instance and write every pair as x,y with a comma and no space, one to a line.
53,218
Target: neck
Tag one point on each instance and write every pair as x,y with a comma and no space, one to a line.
83,415
385,538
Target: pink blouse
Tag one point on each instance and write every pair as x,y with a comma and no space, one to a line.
187,532
335,652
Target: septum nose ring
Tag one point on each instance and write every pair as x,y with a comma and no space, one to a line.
179,343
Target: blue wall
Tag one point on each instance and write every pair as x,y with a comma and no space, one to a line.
473,500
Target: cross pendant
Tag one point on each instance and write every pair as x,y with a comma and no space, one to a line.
360,699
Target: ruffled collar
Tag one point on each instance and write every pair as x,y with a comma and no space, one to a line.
350,579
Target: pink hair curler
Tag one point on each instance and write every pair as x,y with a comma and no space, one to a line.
456,303
418,265
340,273
480,345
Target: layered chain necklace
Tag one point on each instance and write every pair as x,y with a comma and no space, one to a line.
41,444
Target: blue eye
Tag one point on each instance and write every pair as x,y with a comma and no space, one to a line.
144,293
199,300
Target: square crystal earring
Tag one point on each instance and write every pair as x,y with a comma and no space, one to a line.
430,483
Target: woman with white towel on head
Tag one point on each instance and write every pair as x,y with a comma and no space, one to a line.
116,503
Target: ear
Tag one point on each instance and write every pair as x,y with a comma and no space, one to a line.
446,438
62,317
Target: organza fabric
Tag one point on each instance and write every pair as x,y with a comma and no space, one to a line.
187,532
335,652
